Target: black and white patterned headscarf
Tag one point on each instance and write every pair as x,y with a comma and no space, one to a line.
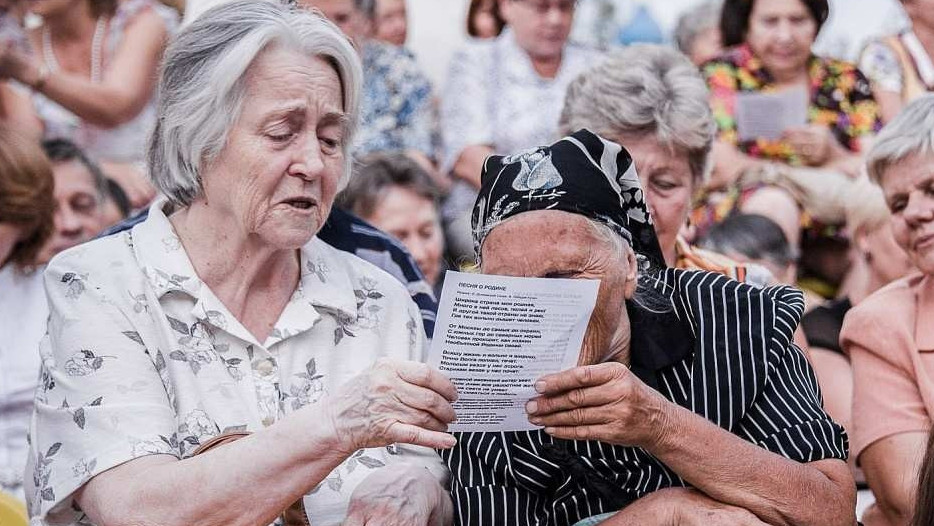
581,174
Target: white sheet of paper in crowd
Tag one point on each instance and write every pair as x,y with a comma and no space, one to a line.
496,335
767,115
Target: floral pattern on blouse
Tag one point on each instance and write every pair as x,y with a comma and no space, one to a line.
397,113
141,358
841,99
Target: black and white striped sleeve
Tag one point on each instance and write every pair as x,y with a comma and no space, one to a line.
787,417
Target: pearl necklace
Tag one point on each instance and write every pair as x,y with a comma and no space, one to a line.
97,43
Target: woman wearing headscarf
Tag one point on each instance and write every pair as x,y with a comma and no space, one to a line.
217,362
889,335
688,382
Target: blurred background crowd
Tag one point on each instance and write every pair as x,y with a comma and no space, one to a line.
449,82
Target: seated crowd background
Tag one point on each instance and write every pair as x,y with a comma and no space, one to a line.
226,239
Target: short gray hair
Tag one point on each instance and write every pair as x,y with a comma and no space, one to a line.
910,133
645,89
202,85
694,21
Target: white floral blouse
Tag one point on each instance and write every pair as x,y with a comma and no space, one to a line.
141,358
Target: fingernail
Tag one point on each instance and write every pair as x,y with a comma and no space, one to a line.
540,386
535,420
450,441
531,407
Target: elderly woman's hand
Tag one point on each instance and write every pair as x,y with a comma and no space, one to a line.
393,401
399,495
604,402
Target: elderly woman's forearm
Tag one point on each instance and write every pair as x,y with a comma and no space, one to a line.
774,488
246,482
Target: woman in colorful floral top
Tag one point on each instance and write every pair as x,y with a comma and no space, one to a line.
771,52
224,315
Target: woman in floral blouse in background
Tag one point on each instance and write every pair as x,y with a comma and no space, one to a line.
769,50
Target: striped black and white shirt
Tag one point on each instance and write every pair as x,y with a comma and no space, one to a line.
724,351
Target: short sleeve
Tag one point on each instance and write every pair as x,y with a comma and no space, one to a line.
465,103
879,63
886,397
788,417
100,402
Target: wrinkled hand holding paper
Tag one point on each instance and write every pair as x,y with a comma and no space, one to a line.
496,335
768,115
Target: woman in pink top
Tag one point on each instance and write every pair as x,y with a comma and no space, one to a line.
890,335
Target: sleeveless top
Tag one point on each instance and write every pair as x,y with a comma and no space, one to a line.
123,143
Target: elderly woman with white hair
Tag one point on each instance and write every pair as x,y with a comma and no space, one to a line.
889,335
697,33
221,325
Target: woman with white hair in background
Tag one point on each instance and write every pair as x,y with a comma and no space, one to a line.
221,325
697,33
889,335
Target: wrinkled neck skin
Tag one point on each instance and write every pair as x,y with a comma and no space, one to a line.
233,264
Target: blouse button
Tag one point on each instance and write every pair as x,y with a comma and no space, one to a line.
268,421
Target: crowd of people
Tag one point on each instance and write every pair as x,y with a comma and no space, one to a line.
222,243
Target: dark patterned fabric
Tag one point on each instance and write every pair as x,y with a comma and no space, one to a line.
723,351
582,174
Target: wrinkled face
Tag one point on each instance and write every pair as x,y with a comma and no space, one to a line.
391,23
78,214
541,27
909,192
706,46
345,15
10,235
413,220
781,33
667,182
278,172
554,244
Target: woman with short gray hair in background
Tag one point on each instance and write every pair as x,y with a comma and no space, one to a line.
653,100
218,362
697,34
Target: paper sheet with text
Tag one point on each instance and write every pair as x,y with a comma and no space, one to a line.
768,115
496,335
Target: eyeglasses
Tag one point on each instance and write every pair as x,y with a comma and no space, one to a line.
542,7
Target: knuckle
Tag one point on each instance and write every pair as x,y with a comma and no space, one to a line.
583,374
576,397
577,416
